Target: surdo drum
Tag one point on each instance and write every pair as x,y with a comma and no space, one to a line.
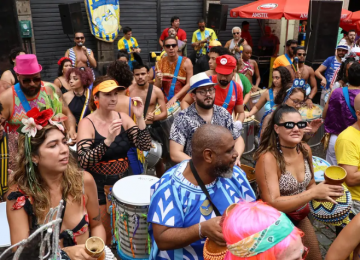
131,199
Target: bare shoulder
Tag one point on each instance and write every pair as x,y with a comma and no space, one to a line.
188,63
253,62
89,181
68,96
266,158
307,147
311,70
157,91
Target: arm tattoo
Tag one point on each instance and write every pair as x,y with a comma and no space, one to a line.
97,218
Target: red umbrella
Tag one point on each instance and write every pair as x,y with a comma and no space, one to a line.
351,22
276,9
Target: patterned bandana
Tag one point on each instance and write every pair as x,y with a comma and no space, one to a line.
263,240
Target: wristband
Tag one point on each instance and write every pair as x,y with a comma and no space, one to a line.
200,235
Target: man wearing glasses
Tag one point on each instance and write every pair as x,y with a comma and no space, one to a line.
234,44
79,55
173,73
201,112
286,59
302,71
25,95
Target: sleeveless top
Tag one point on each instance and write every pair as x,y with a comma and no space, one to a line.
14,75
232,47
72,57
18,112
289,185
62,88
76,107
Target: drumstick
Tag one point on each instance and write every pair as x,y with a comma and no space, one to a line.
156,108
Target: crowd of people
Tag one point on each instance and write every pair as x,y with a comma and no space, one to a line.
72,139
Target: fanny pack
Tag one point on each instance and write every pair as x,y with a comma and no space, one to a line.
325,140
299,214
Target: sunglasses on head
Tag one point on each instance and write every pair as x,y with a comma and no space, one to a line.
291,125
170,45
79,38
302,54
236,33
28,81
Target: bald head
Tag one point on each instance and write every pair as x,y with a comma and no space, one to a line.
247,48
208,137
357,103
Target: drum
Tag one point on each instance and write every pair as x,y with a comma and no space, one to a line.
4,227
153,156
255,96
309,115
248,135
320,166
250,175
131,199
333,214
172,113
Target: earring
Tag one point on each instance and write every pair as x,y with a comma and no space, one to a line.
278,144
97,104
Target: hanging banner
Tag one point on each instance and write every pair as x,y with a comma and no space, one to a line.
104,18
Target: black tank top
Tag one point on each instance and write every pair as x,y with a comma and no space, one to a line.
76,107
118,149
14,74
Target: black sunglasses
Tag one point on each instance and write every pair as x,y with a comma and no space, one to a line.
79,38
28,81
302,54
291,125
236,33
170,45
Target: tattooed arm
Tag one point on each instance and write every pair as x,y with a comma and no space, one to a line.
267,176
92,207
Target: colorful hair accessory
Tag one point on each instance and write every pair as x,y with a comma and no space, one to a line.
106,86
263,240
298,83
62,59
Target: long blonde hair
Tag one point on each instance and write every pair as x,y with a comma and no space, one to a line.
71,185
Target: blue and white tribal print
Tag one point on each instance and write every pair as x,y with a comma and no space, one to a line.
175,202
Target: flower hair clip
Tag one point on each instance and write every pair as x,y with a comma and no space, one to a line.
62,59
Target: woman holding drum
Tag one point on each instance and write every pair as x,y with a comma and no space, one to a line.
281,80
47,173
105,138
284,172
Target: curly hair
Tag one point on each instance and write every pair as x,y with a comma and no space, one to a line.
72,181
85,75
121,72
285,77
342,71
269,138
61,66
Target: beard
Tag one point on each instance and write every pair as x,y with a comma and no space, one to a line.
224,83
301,61
142,84
203,105
30,93
223,171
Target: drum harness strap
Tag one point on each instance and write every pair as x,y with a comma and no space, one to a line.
347,99
173,82
229,94
271,94
148,98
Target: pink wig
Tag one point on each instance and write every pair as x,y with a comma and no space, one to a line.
248,218
85,75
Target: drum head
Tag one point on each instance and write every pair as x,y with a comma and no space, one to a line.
4,227
320,166
134,190
315,112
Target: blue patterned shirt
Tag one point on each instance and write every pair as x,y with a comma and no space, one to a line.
176,202
188,120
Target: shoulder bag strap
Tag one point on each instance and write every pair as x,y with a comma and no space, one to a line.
22,97
174,79
87,98
288,58
203,188
271,95
148,98
228,96
347,99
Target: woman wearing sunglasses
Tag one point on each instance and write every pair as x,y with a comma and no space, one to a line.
285,175
281,79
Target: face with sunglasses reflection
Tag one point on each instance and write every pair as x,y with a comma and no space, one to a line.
79,39
236,34
171,47
301,54
30,84
290,129
204,97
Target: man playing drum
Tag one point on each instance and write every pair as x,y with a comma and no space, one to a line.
153,98
202,112
183,211
173,73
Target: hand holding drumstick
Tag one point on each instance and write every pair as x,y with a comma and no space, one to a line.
150,116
